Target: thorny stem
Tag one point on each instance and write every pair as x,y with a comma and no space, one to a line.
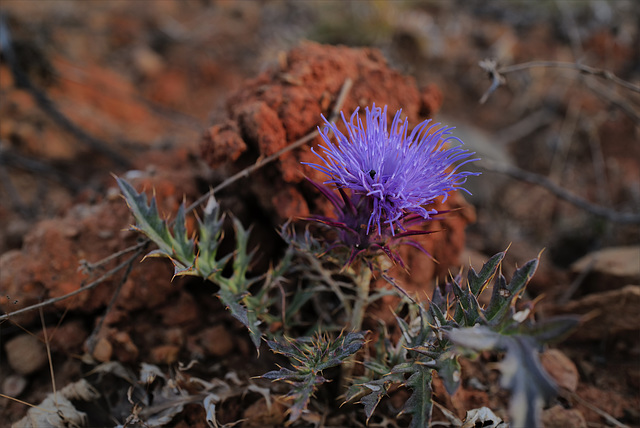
346,87
326,277
363,286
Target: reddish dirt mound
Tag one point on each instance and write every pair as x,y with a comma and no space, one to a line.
285,103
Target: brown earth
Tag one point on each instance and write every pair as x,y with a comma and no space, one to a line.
177,96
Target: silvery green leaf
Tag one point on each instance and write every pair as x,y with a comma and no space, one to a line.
419,405
522,372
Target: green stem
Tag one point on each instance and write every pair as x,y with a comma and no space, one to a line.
363,284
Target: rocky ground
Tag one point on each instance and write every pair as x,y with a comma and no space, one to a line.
178,96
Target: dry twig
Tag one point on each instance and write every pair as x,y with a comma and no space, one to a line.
497,74
47,105
560,192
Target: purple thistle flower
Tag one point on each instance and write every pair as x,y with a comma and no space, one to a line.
398,173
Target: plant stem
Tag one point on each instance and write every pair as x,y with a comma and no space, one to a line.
363,283
363,286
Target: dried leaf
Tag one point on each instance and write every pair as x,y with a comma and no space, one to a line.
57,411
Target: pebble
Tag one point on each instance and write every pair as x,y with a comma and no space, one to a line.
217,340
25,354
563,371
103,350
14,385
559,417
165,354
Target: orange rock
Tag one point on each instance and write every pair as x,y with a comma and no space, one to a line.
103,350
260,415
217,340
165,354
563,371
559,417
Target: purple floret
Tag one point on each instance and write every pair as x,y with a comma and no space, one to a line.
400,173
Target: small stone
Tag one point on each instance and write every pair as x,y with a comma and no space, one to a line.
619,262
609,268
559,417
147,62
182,311
609,314
25,354
125,350
165,354
563,371
14,385
103,350
68,337
217,340
260,414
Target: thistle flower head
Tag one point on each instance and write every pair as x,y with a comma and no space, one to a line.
399,173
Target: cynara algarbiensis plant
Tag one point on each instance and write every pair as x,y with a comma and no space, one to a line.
391,174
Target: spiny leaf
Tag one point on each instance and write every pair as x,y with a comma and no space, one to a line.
210,235
184,246
373,391
503,294
234,290
552,329
283,374
500,299
449,369
148,221
180,248
419,405
467,308
310,356
521,370
370,401
522,276
478,282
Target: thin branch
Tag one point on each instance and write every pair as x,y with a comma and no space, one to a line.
560,192
610,419
88,268
603,92
75,292
91,341
497,79
585,69
47,105
51,372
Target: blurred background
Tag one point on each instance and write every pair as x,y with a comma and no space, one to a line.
86,88
140,75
